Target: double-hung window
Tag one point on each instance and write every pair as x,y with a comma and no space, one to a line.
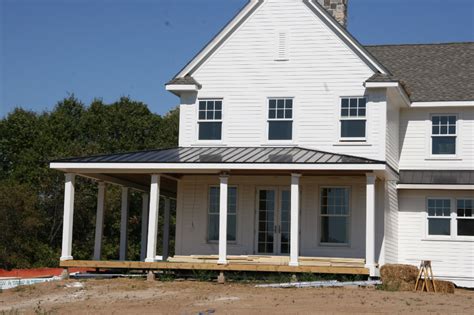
443,134
439,216
280,119
465,217
213,214
353,118
335,215
210,120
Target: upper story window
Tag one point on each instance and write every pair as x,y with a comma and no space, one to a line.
443,134
280,119
210,120
353,118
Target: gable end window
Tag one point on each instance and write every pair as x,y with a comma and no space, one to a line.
213,214
353,118
443,134
280,119
210,120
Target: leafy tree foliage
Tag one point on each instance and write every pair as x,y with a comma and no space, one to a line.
31,194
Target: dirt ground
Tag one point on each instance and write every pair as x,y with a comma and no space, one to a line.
137,296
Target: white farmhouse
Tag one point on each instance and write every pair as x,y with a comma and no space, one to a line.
301,150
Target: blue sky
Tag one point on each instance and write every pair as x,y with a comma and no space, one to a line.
111,48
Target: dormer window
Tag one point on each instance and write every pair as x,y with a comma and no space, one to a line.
353,118
280,119
210,120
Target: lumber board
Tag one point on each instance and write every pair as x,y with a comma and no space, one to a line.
212,266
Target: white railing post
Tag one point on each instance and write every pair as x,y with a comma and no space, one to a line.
99,221
294,218
223,219
124,223
153,218
66,252
144,235
370,224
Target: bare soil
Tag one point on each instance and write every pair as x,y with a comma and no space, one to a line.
137,296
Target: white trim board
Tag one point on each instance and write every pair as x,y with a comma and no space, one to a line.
435,186
443,104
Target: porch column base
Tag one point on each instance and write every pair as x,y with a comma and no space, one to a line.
222,262
293,264
66,258
150,260
373,270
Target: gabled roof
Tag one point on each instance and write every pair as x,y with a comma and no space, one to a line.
244,155
249,9
429,72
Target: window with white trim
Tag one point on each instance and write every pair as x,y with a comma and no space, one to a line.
443,134
353,118
210,120
465,217
439,216
213,214
280,119
335,215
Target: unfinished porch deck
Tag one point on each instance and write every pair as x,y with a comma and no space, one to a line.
235,263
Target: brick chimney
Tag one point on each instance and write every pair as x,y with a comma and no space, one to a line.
338,9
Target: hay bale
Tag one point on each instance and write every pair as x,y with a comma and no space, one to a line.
398,272
442,286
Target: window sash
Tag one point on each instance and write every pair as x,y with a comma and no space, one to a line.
280,109
210,110
353,107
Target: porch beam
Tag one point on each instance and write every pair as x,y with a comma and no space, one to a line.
224,179
166,229
370,224
144,235
66,251
124,223
153,218
294,218
99,221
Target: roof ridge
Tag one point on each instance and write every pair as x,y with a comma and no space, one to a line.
421,44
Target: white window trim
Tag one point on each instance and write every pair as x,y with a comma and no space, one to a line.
456,155
453,222
268,120
209,142
352,140
320,221
208,241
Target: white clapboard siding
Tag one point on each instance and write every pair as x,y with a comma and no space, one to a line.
191,225
391,222
393,127
451,259
415,137
319,69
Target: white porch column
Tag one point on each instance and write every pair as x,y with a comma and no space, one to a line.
66,253
123,224
99,221
166,229
223,220
145,204
370,224
153,218
294,218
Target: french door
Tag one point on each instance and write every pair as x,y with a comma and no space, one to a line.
273,221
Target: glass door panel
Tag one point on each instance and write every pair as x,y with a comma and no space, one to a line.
266,221
284,226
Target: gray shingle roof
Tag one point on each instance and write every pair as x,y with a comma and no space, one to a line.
450,177
274,155
429,72
184,81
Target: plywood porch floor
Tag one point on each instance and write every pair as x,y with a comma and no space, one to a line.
235,263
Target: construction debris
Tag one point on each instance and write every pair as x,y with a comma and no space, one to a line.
321,284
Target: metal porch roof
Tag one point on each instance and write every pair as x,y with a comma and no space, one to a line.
250,155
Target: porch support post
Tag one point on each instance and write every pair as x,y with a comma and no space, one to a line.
99,221
123,224
66,252
153,218
294,218
145,204
370,224
166,229
224,179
